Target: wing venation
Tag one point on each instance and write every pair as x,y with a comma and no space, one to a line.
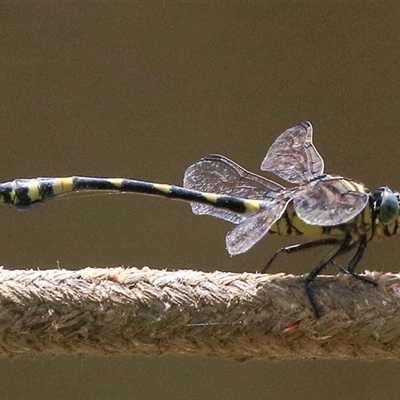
293,156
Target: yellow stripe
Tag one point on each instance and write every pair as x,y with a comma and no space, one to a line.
62,185
33,190
303,227
353,186
117,182
252,206
162,187
211,197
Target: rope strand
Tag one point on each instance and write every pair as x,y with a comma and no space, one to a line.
241,316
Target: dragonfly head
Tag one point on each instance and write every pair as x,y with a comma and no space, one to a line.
386,205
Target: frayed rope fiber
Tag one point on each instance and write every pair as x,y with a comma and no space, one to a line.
128,311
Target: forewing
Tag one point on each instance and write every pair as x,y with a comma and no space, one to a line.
245,235
329,202
220,175
293,156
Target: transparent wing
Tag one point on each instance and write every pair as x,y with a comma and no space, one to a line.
293,157
220,175
329,202
245,235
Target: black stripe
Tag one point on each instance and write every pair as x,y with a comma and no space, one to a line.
21,187
82,183
5,192
175,192
289,226
232,203
46,188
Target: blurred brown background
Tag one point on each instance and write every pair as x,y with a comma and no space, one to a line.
142,90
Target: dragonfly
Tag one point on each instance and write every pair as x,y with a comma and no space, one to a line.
340,210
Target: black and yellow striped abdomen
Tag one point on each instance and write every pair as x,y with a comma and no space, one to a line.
26,192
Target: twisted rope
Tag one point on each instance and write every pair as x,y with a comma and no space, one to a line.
241,316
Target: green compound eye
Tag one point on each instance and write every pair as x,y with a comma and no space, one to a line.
388,207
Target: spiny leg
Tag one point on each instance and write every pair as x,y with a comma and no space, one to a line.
362,244
345,246
349,247
300,247
340,268
342,247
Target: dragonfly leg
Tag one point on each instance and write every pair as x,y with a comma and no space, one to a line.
362,244
345,246
342,247
301,246
310,293
348,246
340,268
356,259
